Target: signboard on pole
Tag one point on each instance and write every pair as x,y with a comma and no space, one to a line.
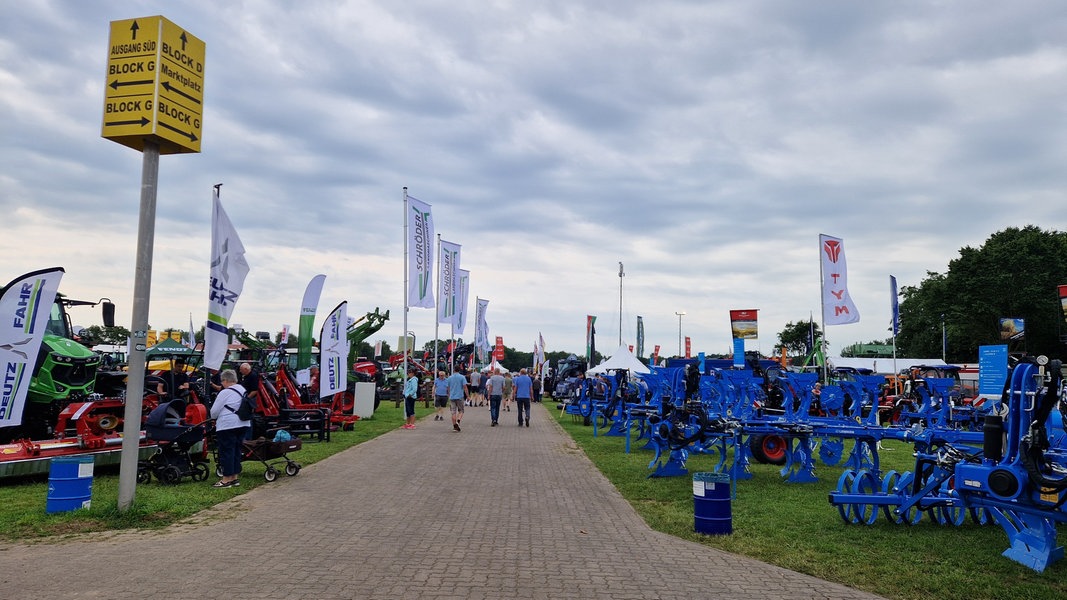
155,86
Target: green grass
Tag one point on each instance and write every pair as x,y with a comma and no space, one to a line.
794,526
791,525
22,501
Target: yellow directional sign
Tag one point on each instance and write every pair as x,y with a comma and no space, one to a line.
155,85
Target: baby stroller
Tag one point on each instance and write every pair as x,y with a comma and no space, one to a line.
271,453
179,430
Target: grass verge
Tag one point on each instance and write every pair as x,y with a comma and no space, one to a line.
22,501
795,527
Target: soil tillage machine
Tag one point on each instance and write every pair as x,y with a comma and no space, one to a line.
1012,473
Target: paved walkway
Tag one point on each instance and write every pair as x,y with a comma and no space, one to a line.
489,513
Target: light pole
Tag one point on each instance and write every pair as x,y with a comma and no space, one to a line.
680,314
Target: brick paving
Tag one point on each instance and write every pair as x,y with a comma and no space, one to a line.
488,513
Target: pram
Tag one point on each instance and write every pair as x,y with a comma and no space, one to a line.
179,430
271,454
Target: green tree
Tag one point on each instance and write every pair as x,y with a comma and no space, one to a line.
1014,274
96,334
797,338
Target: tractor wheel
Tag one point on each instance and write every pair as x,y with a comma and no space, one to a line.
768,449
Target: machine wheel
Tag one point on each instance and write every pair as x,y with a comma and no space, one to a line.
769,449
291,469
844,484
980,515
169,475
200,472
867,485
270,474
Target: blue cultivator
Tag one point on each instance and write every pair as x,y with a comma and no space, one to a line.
1014,472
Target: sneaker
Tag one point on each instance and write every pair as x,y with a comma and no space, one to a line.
455,426
527,423
493,424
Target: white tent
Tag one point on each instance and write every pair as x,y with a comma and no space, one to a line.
622,359
495,367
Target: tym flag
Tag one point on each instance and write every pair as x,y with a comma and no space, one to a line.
420,254
448,276
228,271
333,354
463,286
837,305
25,305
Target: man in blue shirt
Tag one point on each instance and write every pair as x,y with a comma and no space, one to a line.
411,392
440,395
457,394
523,393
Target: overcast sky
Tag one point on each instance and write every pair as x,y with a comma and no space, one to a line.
705,145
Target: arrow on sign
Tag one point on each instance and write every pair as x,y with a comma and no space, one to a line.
117,84
142,122
188,134
184,40
167,86
133,29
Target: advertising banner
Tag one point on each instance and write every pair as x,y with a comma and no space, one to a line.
743,324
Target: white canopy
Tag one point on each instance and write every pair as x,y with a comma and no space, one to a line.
495,366
622,359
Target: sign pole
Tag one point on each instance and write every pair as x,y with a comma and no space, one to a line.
142,284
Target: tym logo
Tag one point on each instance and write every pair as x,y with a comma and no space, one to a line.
832,249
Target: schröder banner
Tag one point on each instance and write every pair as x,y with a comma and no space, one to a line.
743,324
25,305
420,254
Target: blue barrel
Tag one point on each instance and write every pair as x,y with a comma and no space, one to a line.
711,504
70,483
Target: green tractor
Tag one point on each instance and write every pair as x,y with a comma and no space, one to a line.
64,372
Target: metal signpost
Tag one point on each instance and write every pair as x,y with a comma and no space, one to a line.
153,102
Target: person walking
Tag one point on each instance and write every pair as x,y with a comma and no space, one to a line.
440,395
536,388
523,394
411,393
229,428
495,389
458,393
509,391
475,388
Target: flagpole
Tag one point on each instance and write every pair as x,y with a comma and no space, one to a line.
822,310
620,302
404,333
437,319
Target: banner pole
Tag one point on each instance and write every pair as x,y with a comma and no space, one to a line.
404,333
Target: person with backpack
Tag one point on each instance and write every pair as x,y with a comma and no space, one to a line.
230,428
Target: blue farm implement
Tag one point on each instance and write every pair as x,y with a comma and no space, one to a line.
1013,472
